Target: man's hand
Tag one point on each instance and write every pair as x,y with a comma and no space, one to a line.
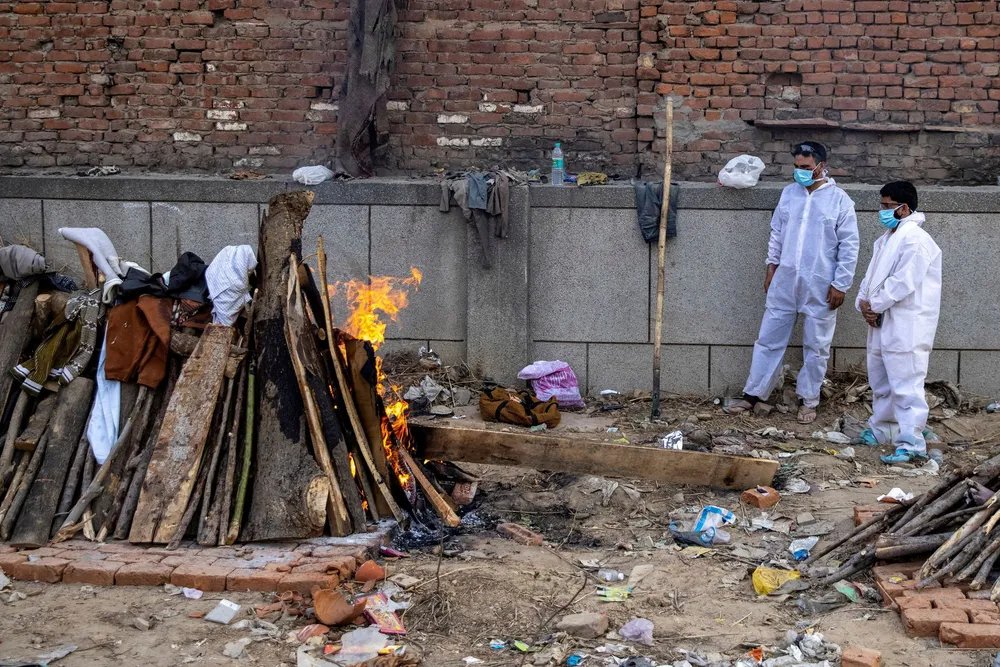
835,298
771,268
871,317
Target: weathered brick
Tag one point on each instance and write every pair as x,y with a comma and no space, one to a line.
143,574
984,617
45,569
970,635
303,582
519,533
93,572
966,605
855,656
926,622
265,581
204,577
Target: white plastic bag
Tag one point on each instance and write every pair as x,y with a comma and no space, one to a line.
554,379
313,175
741,172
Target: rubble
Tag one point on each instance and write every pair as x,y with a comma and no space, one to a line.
586,625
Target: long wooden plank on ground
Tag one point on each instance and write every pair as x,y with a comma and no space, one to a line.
177,457
34,526
590,457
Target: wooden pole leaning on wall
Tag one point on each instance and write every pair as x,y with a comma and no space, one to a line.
661,256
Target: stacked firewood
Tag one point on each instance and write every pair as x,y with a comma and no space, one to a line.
952,522
270,429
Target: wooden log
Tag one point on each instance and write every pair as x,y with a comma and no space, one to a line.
87,263
232,444
986,566
590,457
72,482
13,428
945,519
103,503
20,468
185,521
29,437
344,512
945,484
92,488
173,468
90,463
183,344
934,509
208,518
859,562
360,359
67,423
246,458
24,487
13,338
968,528
437,501
993,543
287,482
162,400
888,547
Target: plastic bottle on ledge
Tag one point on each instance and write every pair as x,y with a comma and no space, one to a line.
557,166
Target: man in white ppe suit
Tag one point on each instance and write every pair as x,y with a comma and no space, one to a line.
811,258
900,299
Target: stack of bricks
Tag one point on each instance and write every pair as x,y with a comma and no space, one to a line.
270,568
949,613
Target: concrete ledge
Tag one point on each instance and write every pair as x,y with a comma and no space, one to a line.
426,192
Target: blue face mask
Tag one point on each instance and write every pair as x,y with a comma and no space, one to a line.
804,177
888,218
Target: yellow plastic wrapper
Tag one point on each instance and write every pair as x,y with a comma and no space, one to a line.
766,580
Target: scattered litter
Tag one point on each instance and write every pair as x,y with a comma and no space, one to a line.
369,571
393,553
613,593
223,613
766,580
836,437
170,589
107,170
674,440
360,645
796,485
816,528
800,548
192,593
41,660
235,649
895,496
692,552
637,662
929,469
537,428
331,608
575,659
638,630
498,644
4,581
741,172
706,530
469,660
313,175
639,572
442,411
846,454
404,580
380,611
521,646
610,575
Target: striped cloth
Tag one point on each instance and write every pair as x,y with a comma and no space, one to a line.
228,278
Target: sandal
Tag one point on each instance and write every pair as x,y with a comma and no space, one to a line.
807,415
738,407
903,456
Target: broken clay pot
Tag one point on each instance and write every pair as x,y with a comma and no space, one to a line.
370,571
332,608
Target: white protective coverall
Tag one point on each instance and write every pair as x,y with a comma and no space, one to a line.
814,242
903,282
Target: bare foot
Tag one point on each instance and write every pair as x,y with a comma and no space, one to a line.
807,415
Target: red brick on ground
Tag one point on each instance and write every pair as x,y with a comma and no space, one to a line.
46,569
970,635
133,557
9,561
912,603
187,559
44,552
864,513
93,572
265,581
907,570
519,533
927,622
985,617
854,656
934,594
143,574
303,582
203,577
966,605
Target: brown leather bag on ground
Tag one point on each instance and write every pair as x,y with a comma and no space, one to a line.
518,407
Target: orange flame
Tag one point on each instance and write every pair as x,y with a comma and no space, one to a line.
368,301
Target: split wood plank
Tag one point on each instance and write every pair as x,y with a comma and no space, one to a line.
343,510
360,357
34,526
13,338
36,424
590,457
176,459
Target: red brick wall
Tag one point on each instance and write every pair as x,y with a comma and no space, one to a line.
894,87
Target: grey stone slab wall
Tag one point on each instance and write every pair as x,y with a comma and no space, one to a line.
573,281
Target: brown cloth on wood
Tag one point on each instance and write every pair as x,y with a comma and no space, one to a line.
138,340
521,408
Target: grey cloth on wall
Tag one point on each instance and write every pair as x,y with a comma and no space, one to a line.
648,200
478,190
18,262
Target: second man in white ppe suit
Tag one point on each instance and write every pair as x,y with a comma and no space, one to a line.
900,299
812,254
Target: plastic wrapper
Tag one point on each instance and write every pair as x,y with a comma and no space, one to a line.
741,172
766,580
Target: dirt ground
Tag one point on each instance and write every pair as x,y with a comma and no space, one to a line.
484,587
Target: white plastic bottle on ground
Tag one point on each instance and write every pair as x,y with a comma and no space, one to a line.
557,166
